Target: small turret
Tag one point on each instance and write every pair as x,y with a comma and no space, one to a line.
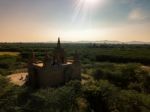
33,58
46,56
47,59
76,57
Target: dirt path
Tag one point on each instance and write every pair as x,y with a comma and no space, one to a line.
147,68
18,78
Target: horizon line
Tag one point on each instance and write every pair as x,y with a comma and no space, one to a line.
81,41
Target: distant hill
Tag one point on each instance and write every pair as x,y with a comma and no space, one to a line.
137,42
108,42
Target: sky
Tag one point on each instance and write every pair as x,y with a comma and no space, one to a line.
74,20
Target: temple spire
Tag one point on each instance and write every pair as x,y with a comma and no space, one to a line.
58,43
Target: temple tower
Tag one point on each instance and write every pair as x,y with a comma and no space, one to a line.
58,43
59,54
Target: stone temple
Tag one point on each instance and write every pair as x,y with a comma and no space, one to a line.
55,70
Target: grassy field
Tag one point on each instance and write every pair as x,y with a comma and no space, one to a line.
9,53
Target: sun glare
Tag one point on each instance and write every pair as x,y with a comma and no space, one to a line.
91,1
84,10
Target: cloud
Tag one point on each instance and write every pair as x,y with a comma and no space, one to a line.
137,14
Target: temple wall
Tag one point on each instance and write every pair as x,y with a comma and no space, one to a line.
51,76
32,77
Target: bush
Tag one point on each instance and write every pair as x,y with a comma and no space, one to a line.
106,97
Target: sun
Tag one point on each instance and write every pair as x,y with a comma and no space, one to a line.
91,1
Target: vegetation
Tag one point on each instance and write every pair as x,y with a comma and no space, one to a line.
119,53
9,64
115,78
9,53
106,97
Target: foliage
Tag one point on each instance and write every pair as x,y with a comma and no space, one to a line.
129,76
63,99
52,100
106,97
9,64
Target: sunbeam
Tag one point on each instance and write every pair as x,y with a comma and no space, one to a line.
91,2
84,9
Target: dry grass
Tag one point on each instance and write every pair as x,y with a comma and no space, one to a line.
146,68
9,53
